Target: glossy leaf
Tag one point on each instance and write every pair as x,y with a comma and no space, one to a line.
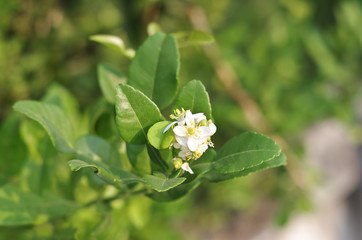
154,70
136,113
113,42
275,162
193,96
53,119
244,151
157,138
108,78
162,184
22,208
159,158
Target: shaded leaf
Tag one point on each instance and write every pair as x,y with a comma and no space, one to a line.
136,113
162,184
138,157
53,119
108,78
154,70
193,96
115,177
193,38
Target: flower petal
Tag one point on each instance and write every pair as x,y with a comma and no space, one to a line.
168,127
212,127
185,166
204,131
189,119
198,117
192,144
180,131
181,140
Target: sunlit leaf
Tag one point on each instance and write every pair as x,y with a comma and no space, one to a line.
113,42
193,96
136,113
157,138
53,119
20,208
154,69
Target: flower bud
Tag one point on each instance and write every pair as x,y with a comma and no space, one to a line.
177,163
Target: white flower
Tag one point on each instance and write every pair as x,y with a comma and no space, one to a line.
185,166
193,135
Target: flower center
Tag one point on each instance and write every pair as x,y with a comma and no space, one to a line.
191,130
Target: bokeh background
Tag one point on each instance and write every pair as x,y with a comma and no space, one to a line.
291,69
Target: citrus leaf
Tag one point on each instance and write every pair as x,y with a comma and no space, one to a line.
157,138
113,42
154,69
244,151
135,114
162,184
108,78
53,119
193,97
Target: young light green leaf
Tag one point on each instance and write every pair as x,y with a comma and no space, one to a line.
53,119
193,38
135,114
244,151
154,70
153,28
22,208
138,157
113,42
162,184
193,96
275,162
157,138
108,78
115,177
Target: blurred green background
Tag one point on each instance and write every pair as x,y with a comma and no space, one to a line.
299,60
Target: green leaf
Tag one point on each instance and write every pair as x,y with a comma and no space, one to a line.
53,119
94,148
275,162
153,28
138,157
20,208
193,38
115,177
159,158
154,70
12,161
108,78
136,113
193,96
176,193
157,138
204,164
244,151
162,184
113,42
